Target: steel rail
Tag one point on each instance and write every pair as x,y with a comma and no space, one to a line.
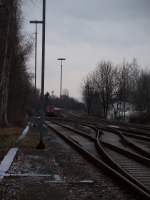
144,158
141,150
137,186
136,146
128,153
145,154
140,137
118,167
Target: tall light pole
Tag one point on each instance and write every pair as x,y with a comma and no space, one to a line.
43,52
61,60
36,22
41,144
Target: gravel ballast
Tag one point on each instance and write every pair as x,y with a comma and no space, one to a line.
68,175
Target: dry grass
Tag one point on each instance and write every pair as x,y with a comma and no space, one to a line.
8,137
31,140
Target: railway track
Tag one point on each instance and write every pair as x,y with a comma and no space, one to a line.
134,167
121,143
131,131
140,144
129,167
139,147
124,126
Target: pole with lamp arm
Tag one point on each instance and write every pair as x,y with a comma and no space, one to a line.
41,144
61,60
36,22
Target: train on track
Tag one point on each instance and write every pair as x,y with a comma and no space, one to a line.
52,111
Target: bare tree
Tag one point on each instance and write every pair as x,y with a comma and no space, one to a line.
88,93
9,7
127,80
117,88
66,92
104,81
142,97
100,88
15,81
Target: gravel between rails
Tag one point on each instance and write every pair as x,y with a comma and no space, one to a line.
59,158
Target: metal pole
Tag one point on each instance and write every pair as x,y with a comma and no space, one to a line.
43,52
36,22
61,80
35,53
61,59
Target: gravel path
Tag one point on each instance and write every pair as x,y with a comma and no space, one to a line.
63,163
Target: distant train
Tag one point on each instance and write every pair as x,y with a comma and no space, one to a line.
52,111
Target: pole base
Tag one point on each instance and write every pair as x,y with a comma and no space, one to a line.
41,145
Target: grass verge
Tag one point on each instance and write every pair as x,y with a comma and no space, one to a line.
31,140
8,137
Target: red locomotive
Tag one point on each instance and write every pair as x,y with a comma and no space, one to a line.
52,111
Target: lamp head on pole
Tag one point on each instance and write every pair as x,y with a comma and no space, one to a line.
61,58
36,22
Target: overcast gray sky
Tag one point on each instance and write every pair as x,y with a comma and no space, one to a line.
86,32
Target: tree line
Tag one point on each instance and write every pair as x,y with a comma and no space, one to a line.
112,87
65,102
16,89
